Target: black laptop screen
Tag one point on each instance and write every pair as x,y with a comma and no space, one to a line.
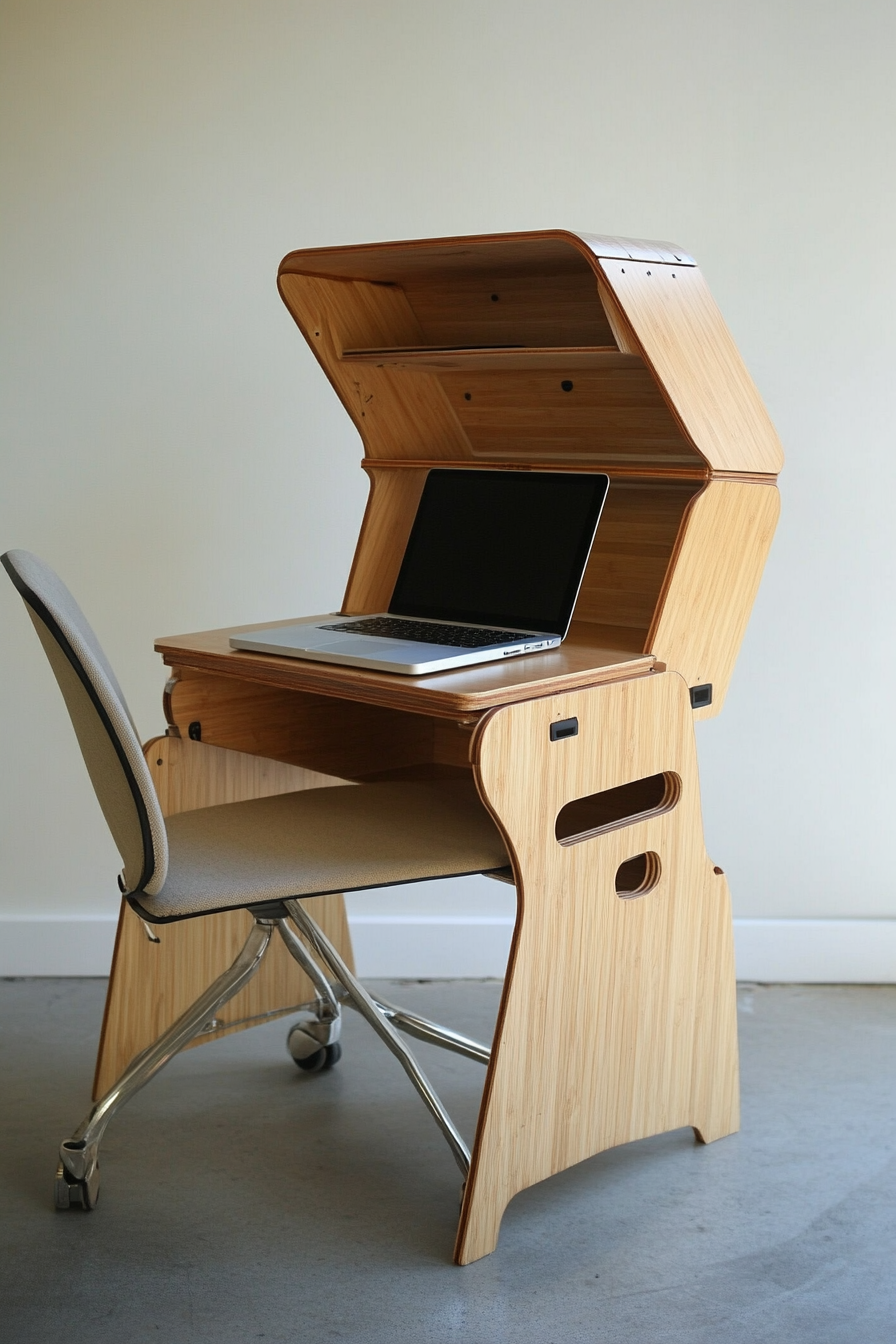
501,548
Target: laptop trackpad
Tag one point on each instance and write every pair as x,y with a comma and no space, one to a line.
369,646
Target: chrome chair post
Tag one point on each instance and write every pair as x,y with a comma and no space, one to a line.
313,1040
327,1003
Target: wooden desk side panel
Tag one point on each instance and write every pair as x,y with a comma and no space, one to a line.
632,551
388,519
152,983
685,341
396,417
712,584
618,1015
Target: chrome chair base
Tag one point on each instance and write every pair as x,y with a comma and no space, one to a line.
73,1194
313,1042
78,1155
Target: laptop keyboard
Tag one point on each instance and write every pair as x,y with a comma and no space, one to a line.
425,632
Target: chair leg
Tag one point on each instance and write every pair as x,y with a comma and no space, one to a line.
321,1026
360,1000
432,1033
314,1040
77,1177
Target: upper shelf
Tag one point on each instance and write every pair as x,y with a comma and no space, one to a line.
442,359
545,346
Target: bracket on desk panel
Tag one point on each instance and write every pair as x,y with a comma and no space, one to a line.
564,728
172,729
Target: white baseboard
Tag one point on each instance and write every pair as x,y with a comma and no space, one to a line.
421,947
816,951
54,946
802,951
799,951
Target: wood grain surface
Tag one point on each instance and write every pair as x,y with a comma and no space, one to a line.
618,1015
692,354
339,739
712,583
395,415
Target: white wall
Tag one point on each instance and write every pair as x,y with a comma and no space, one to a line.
170,445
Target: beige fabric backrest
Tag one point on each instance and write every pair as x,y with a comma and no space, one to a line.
101,719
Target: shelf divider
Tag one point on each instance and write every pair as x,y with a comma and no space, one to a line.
448,359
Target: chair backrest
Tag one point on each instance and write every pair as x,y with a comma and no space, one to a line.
101,720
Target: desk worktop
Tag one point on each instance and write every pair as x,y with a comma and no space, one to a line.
589,655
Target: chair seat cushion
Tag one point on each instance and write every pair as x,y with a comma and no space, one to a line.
322,840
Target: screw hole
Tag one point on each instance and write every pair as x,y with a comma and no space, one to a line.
566,384
495,298
468,396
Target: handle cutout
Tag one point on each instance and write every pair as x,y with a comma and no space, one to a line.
637,876
584,818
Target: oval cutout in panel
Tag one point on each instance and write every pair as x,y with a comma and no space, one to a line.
637,876
584,818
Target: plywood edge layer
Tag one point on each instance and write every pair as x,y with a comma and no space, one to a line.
483,464
614,471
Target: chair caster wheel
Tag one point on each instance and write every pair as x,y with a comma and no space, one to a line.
314,1045
321,1060
74,1194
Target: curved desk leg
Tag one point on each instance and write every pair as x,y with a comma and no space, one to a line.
618,1018
158,970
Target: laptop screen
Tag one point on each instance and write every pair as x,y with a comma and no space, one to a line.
501,548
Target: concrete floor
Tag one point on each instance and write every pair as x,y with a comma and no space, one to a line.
243,1200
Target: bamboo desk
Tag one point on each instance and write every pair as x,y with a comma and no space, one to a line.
553,350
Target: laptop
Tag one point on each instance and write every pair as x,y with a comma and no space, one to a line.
491,570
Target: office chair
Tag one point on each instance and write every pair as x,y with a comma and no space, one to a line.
265,855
